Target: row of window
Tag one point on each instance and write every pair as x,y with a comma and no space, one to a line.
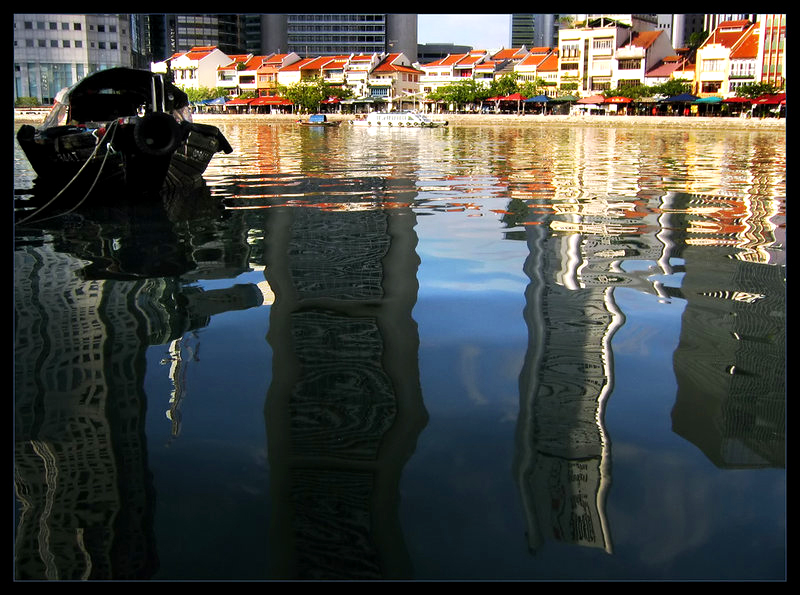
65,26
69,43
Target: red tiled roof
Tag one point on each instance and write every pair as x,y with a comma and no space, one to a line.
727,33
644,39
747,47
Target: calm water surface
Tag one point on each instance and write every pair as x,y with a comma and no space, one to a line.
544,353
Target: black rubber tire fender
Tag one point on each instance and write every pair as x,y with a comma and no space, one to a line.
157,134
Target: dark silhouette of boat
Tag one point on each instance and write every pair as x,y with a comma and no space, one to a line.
121,126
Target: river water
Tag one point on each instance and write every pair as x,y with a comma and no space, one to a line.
471,353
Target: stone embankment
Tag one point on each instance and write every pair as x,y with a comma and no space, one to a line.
539,120
728,123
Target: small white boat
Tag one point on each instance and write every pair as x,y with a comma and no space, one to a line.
405,119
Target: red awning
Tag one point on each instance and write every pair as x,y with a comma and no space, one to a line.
270,100
778,98
239,101
513,97
737,100
618,100
592,100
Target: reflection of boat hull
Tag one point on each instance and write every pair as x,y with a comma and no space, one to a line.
121,125
396,120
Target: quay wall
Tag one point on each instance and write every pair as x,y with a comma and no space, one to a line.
540,120
729,123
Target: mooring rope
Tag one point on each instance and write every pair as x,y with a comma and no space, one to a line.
111,130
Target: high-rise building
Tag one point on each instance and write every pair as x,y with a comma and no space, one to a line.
772,51
53,51
332,34
534,30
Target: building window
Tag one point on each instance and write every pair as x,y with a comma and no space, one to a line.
713,65
66,43
76,26
603,44
570,50
629,64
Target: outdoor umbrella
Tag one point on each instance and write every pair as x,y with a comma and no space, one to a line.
537,99
514,97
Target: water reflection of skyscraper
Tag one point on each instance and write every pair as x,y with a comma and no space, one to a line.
563,452
83,323
729,365
345,407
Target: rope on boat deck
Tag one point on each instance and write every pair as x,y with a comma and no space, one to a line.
112,129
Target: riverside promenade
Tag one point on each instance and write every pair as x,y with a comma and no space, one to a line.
727,123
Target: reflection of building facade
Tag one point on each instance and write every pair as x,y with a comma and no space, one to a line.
80,459
730,362
85,313
563,452
344,408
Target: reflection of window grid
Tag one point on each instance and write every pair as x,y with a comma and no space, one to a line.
347,267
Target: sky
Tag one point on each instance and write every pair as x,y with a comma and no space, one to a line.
480,31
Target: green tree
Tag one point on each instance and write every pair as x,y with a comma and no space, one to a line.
671,88
26,102
505,85
533,88
696,39
754,90
203,93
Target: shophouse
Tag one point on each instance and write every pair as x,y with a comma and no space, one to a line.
449,70
396,81
196,68
267,72
534,66
228,74
713,62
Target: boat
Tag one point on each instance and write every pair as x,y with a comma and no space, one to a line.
121,126
404,119
319,120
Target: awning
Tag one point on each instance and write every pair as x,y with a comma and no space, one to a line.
709,100
239,101
737,100
777,99
270,100
682,98
537,99
564,98
618,100
592,100
513,97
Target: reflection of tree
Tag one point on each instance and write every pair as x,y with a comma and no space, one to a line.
344,408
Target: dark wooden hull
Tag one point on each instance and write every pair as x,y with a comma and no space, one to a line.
176,156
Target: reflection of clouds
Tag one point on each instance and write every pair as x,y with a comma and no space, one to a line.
683,498
469,362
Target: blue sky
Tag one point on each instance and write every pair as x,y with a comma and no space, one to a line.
481,31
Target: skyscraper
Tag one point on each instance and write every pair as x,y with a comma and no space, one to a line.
331,34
